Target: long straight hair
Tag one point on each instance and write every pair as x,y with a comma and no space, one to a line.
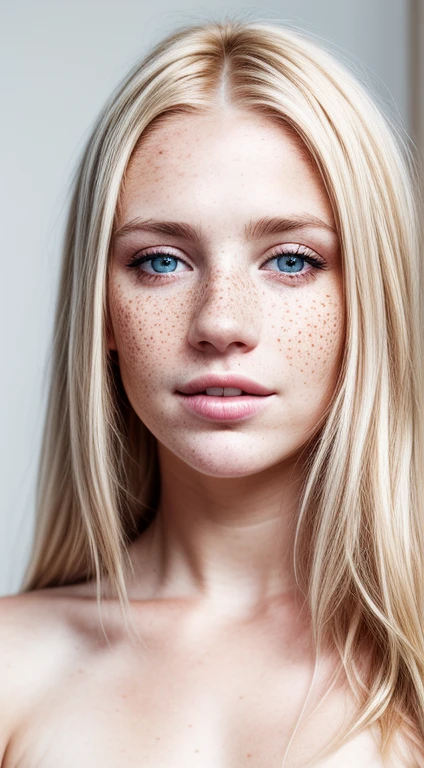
359,547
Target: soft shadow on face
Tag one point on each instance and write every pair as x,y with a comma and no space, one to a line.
269,307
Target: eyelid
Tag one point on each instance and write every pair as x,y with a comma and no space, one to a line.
314,261
144,256
298,249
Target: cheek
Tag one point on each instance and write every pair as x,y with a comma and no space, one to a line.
311,339
147,332
306,331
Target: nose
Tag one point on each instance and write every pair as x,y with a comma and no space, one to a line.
226,313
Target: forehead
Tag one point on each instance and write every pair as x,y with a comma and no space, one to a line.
229,159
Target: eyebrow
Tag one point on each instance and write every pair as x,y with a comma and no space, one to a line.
267,225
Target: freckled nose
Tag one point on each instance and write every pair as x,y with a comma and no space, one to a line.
226,312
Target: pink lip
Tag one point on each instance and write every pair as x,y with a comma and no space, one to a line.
196,386
224,408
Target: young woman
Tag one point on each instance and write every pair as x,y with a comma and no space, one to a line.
233,455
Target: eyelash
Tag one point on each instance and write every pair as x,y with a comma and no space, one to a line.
294,277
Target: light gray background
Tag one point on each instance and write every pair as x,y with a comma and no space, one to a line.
60,61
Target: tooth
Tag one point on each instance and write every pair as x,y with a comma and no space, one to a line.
224,391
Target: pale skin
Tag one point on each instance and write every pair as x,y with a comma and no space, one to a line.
228,491
226,659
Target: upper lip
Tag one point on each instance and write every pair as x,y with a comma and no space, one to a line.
224,380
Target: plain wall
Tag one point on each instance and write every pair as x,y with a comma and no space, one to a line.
60,61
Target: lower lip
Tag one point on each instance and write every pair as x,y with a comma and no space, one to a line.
224,408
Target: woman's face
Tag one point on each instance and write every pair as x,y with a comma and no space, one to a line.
223,294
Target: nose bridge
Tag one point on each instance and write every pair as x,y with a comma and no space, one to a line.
225,288
226,309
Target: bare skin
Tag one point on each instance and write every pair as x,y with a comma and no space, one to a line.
225,659
198,691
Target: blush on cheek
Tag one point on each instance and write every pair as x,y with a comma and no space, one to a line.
311,340
146,337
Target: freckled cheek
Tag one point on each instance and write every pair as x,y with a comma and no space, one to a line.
147,333
311,339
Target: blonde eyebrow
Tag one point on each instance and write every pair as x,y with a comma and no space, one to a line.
268,225
272,225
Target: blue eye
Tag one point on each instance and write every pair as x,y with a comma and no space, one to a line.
164,263
294,262
160,263
151,266
290,263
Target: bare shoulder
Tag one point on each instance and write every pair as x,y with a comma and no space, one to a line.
41,633
29,621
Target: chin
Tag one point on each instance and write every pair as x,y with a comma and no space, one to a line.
232,456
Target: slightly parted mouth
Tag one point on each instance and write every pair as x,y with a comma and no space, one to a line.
239,393
224,382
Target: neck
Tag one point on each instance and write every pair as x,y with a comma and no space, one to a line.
225,542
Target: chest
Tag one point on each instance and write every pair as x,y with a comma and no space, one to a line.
226,703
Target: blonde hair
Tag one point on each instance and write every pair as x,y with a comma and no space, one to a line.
359,550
